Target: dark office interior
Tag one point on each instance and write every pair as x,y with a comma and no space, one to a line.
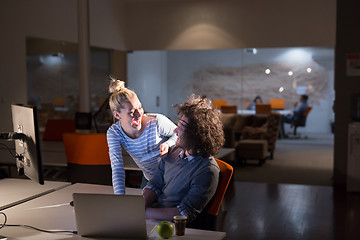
253,210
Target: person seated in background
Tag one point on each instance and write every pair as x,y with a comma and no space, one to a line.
252,105
187,178
297,113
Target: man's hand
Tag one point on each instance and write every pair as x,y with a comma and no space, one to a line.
149,196
164,148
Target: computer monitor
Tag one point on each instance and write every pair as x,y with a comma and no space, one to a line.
27,141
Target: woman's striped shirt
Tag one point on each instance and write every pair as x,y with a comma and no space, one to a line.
144,150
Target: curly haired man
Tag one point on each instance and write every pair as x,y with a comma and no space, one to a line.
187,178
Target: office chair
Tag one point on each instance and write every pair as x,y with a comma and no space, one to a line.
262,108
301,121
87,156
207,218
59,102
277,104
217,103
55,128
228,108
226,171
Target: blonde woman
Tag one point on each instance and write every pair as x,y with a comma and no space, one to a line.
144,136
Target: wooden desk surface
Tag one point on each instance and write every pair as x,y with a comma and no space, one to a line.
53,212
15,191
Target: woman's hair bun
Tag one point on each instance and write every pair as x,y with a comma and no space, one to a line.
116,85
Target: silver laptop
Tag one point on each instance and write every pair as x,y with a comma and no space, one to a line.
111,216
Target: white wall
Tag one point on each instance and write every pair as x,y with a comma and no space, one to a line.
147,77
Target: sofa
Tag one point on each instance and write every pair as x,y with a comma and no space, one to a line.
238,127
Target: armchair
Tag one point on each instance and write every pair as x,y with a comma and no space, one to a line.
269,132
257,127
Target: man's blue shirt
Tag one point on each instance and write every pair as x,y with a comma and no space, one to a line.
186,183
298,112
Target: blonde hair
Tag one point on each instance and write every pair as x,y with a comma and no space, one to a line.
119,94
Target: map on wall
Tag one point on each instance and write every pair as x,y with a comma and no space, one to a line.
239,85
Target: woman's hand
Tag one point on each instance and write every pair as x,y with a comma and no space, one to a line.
164,148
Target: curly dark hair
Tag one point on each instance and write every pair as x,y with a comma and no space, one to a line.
203,133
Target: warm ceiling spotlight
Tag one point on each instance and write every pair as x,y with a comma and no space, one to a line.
308,70
290,73
281,89
267,71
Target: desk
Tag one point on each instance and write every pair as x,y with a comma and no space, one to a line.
15,191
53,155
226,154
53,212
54,158
282,112
245,111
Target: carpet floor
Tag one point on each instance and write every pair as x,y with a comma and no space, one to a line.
297,161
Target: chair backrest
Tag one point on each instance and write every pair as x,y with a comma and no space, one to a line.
226,171
59,102
307,110
301,121
86,148
217,103
262,108
55,128
277,103
87,155
228,108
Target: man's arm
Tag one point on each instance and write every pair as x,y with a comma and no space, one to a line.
157,213
149,196
162,213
